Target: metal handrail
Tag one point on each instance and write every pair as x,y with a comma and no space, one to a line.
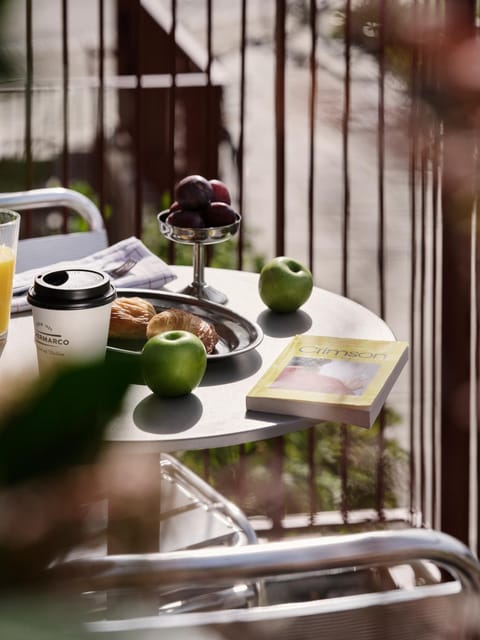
55,196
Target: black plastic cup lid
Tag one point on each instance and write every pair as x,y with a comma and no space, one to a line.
71,289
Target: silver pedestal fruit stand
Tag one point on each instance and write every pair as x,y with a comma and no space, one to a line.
199,238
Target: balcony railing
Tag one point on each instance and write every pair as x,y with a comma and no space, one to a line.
338,140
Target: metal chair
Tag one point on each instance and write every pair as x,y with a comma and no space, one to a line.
423,584
38,251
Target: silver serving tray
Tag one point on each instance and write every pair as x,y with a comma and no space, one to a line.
237,335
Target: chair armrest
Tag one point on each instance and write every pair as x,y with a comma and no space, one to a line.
254,562
54,196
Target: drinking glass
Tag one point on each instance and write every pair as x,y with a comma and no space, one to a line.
9,228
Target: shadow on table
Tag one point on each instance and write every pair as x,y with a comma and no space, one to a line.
282,325
231,369
167,415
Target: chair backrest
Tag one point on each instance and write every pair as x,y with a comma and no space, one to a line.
443,607
38,251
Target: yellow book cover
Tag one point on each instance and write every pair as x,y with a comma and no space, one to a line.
329,378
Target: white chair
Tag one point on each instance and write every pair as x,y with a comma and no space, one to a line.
417,583
37,251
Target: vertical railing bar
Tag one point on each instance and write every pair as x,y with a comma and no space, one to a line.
240,169
435,519
311,229
27,224
312,473
280,60
65,89
208,134
474,542
473,426
280,68
345,147
208,114
344,448
380,489
277,473
474,511
312,113
206,465
101,106
242,475
424,506
381,160
434,333
413,271
172,99
474,367
345,230
422,340
456,300
138,122
475,440
241,138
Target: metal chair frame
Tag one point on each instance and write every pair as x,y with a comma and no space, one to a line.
37,251
446,608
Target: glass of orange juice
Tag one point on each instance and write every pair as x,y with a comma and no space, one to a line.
9,228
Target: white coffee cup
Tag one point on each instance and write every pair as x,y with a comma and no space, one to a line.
71,315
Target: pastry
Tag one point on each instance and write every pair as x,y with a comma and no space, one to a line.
129,318
183,320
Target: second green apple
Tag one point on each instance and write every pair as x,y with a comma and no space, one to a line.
285,284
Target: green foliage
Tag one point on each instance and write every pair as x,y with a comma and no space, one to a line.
13,173
40,616
222,255
365,33
7,66
76,222
253,471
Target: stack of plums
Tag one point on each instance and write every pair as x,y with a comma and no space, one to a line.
201,203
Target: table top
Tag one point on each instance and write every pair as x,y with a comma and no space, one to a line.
214,414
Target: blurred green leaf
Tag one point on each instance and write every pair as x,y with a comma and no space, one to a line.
61,423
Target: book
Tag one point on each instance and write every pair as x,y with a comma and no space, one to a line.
343,380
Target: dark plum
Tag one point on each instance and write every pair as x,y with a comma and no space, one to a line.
193,192
219,214
220,192
185,219
175,206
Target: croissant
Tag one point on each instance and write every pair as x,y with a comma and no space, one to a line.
185,321
129,318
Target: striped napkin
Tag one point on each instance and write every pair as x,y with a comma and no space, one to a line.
149,272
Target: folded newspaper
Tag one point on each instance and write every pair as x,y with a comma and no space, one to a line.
148,272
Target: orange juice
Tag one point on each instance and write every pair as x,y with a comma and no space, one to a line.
7,266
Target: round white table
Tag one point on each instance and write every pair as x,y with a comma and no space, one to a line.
214,415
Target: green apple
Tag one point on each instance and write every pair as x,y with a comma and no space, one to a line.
173,363
285,284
